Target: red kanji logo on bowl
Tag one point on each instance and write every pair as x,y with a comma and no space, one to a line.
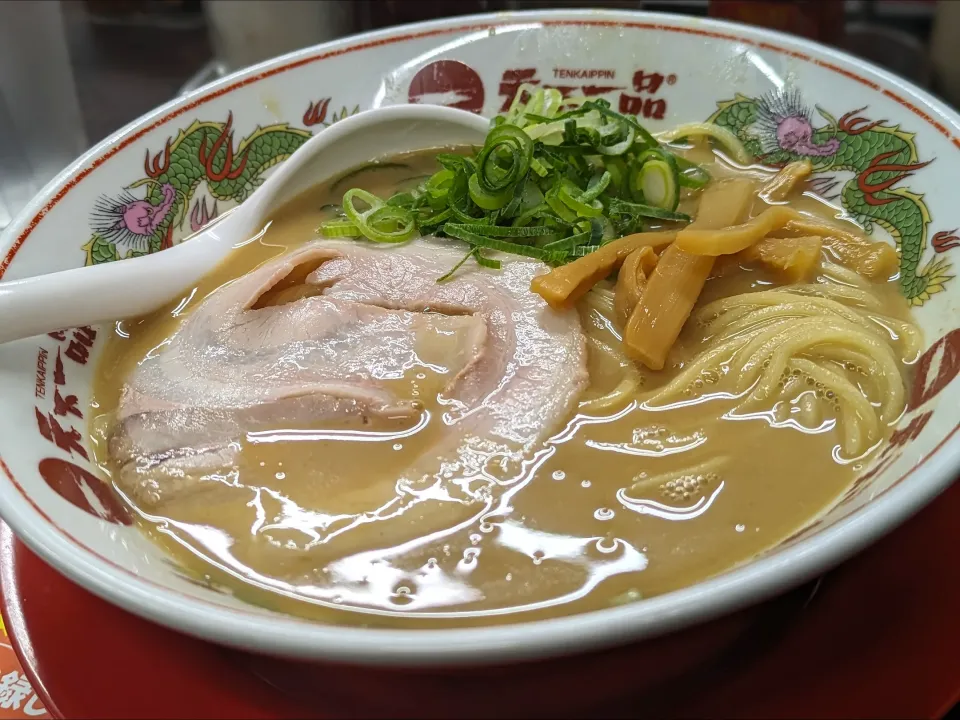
450,83
84,489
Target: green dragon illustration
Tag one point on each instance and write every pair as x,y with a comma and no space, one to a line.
777,129
202,153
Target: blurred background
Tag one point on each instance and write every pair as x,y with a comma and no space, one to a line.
74,71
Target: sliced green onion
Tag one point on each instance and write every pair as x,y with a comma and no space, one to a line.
339,229
597,185
440,180
485,199
646,139
402,199
369,198
626,224
559,207
539,167
618,173
607,231
501,245
660,184
437,188
629,208
528,216
569,243
485,261
552,181
436,219
456,163
504,160
380,223
593,208
692,175
450,273
620,147
500,231
459,200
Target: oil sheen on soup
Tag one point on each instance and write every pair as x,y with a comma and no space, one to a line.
620,504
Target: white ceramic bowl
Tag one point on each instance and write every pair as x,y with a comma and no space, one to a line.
783,92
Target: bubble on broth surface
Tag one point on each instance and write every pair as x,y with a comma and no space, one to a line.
688,487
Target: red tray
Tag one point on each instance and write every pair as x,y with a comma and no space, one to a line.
876,638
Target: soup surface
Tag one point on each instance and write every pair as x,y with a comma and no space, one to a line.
624,501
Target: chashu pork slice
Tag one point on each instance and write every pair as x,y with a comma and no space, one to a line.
317,336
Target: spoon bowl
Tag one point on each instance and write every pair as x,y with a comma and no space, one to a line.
134,287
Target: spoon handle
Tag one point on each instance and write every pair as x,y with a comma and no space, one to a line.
94,294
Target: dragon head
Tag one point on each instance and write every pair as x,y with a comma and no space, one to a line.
783,124
130,221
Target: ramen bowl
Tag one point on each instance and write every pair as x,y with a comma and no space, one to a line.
882,150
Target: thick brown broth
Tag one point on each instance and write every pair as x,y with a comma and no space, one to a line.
554,539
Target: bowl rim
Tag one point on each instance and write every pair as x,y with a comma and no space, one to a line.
751,582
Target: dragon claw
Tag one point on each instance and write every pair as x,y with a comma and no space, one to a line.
316,113
200,216
225,138
853,124
157,167
945,240
877,165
